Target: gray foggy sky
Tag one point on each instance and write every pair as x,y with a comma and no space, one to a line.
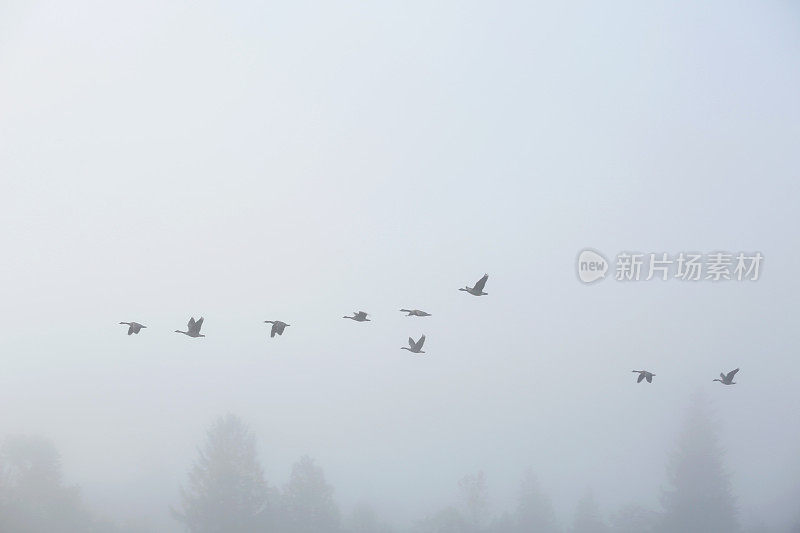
298,161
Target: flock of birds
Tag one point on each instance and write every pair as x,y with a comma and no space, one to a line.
278,327
725,379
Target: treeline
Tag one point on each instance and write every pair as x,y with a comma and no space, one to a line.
33,496
226,489
226,492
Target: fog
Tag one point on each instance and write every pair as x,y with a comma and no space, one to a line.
298,161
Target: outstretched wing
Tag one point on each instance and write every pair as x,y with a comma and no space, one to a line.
641,377
274,330
198,325
130,329
732,373
191,324
412,343
481,283
722,375
420,342
649,378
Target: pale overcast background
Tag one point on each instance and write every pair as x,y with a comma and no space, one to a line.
245,161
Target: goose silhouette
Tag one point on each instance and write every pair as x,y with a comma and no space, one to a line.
727,379
414,346
358,316
277,327
477,290
414,312
133,327
193,328
644,374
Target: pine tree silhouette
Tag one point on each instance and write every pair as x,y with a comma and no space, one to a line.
534,509
226,490
699,499
307,501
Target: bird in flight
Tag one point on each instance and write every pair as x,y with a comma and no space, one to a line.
133,327
727,379
192,328
477,290
644,374
277,327
414,312
358,316
415,346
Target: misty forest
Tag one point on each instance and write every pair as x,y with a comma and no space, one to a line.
399,267
226,490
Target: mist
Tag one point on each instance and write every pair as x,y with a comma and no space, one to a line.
303,161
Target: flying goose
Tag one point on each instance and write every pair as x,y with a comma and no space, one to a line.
358,316
192,328
644,374
727,379
133,327
277,327
414,312
415,346
477,290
